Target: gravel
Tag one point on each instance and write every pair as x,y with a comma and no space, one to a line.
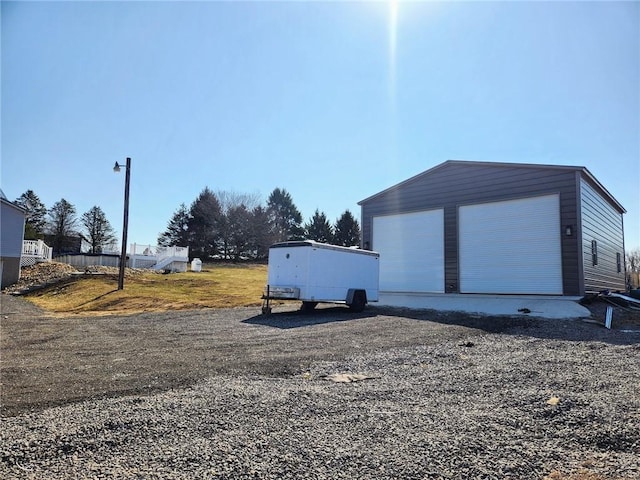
503,405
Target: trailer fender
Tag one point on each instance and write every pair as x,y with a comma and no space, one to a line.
356,299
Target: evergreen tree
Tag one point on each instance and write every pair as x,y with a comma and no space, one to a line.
204,224
262,232
319,228
347,231
239,240
286,218
62,225
233,205
177,232
223,237
98,231
35,217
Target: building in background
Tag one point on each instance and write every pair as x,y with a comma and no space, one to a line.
12,219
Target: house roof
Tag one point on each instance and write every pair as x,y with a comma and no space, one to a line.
5,201
583,170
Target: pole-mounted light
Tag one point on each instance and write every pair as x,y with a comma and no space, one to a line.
123,251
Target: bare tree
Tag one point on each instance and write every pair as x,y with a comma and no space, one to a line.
98,231
230,199
633,268
62,225
236,211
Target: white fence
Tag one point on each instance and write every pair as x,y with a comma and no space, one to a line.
174,258
34,251
88,259
159,258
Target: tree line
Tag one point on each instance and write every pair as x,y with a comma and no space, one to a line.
232,226
60,227
217,225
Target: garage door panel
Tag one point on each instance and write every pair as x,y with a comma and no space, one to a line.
411,248
511,247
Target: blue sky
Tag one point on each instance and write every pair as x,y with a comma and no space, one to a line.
333,101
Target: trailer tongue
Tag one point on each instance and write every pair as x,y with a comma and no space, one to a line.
313,272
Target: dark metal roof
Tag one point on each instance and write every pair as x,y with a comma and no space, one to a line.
583,171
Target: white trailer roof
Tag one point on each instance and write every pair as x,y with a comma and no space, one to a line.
326,246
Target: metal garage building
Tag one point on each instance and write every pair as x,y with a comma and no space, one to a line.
497,228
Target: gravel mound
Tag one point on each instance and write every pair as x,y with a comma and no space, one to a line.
43,273
490,406
47,273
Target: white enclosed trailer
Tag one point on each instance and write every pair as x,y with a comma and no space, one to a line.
313,272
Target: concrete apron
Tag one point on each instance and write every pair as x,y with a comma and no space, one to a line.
513,305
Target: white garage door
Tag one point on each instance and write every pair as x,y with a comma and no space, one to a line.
411,248
511,247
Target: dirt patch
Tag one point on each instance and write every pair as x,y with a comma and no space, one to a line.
44,274
624,315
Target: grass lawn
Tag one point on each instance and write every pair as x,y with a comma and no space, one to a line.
216,286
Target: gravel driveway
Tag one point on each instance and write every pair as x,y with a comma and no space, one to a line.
232,394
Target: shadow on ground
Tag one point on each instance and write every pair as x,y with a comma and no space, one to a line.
625,333
287,319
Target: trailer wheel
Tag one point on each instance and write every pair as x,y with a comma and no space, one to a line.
359,301
308,306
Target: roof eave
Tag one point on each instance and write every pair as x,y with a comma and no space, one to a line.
615,202
11,204
584,170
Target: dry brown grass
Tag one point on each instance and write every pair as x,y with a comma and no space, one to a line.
216,286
